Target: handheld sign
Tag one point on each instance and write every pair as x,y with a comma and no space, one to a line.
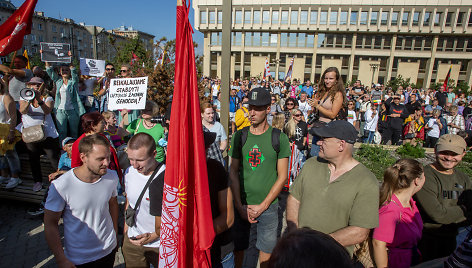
92,67
55,52
127,93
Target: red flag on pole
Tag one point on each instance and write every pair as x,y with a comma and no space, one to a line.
186,223
13,30
266,69
447,78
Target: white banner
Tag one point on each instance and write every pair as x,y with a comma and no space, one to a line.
92,67
127,93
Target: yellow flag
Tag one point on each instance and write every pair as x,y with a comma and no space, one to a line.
25,54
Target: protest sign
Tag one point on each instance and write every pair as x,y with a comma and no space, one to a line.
92,67
55,52
127,93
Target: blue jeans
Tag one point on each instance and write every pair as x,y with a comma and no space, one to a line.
370,137
10,160
227,261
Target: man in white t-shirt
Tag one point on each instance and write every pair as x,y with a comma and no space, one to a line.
86,198
141,242
304,106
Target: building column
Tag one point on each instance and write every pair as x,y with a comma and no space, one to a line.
313,58
206,54
243,40
430,63
391,59
277,56
352,57
468,75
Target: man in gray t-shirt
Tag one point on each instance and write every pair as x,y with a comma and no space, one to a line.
18,76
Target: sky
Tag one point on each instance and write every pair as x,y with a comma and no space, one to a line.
156,17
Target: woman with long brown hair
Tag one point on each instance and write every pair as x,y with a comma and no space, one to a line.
400,224
329,100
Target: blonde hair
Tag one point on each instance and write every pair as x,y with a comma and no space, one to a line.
291,126
278,121
107,114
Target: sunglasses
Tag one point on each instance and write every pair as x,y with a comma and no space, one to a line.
298,115
110,69
289,104
273,99
123,71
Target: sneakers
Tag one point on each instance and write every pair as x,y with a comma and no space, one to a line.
37,210
12,183
37,186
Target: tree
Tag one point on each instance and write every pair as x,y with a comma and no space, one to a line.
397,82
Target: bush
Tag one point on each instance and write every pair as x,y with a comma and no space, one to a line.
409,151
375,158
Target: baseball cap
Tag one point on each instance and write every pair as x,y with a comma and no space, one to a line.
259,97
339,129
35,80
67,140
451,142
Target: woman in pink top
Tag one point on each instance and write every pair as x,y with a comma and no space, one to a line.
400,225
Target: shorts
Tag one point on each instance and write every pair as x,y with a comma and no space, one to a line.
232,117
265,232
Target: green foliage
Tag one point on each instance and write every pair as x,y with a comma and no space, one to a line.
409,151
468,157
125,55
436,86
399,81
462,87
375,158
35,60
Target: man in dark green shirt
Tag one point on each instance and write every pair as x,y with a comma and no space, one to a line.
437,200
257,173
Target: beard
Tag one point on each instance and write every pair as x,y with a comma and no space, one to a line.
100,171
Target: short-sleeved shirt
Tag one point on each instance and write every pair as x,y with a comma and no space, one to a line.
350,200
301,131
259,164
157,132
17,84
220,132
401,228
64,162
88,227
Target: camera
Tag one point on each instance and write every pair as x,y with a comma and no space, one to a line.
159,120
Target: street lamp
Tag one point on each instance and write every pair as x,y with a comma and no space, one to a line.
373,66
277,64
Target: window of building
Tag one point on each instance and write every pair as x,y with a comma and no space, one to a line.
257,17
40,26
248,39
408,43
273,39
427,19
469,46
203,17
41,38
416,18
220,17
387,43
310,40
353,20
378,42
333,18
266,17
265,39
364,17
394,20
460,19
256,39
236,39
275,17
384,19
329,40
303,17
405,18
374,15
247,17
294,17
314,17
238,17
292,39
368,41
437,18
301,40
284,17
347,41
470,21
284,40
54,29
460,44
321,39
54,39
212,17
215,39
323,17
343,18
449,18
449,44
418,43
338,40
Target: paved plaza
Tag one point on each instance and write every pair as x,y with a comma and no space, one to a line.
22,241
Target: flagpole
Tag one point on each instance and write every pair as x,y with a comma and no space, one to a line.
13,59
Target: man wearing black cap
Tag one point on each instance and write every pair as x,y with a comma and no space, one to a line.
334,193
259,166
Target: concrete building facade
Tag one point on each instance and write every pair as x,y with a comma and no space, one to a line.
373,41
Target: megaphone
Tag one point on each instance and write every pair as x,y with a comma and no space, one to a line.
27,94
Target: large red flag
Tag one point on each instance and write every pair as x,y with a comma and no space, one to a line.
186,223
13,30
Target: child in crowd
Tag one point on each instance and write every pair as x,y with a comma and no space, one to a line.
65,160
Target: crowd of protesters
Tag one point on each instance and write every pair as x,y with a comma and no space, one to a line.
293,195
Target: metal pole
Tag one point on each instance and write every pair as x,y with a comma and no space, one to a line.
225,63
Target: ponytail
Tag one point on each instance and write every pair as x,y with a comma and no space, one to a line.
399,176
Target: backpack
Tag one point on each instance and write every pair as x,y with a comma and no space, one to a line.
275,139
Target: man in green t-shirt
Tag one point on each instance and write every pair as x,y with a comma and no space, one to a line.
334,193
258,173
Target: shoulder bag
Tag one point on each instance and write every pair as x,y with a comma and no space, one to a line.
34,133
